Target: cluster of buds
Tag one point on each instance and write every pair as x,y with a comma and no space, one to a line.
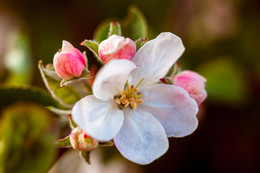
69,64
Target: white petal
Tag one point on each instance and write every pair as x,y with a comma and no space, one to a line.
173,107
155,58
100,119
141,138
111,78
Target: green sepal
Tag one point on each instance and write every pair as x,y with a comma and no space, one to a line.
134,25
86,156
85,76
73,125
106,144
50,71
59,111
63,143
93,47
174,70
66,96
166,80
140,42
114,29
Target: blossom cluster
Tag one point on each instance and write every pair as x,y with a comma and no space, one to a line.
134,101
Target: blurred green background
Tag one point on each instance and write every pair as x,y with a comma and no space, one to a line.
222,43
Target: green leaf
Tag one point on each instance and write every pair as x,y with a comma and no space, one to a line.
93,47
134,25
50,71
10,95
101,33
114,29
225,80
26,137
67,96
63,143
86,156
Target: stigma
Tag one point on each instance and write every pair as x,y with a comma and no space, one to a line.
129,96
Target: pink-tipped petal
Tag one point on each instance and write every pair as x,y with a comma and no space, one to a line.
173,107
193,83
67,65
141,139
116,47
192,74
70,62
100,119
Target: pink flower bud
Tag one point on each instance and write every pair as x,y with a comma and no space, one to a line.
193,83
81,141
116,47
69,62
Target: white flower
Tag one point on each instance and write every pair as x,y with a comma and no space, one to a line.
128,106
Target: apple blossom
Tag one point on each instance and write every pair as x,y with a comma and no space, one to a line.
116,47
130,107
193,83
81,141
69,62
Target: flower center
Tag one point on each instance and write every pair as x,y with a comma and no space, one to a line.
129,96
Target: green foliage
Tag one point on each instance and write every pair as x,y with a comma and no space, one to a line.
26,139
101,33
10,95
18,61
134,25
225,80
67,95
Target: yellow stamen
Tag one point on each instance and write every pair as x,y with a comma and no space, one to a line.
129,96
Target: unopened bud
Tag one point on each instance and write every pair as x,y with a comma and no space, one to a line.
193,83
81,141
116,47
69,62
